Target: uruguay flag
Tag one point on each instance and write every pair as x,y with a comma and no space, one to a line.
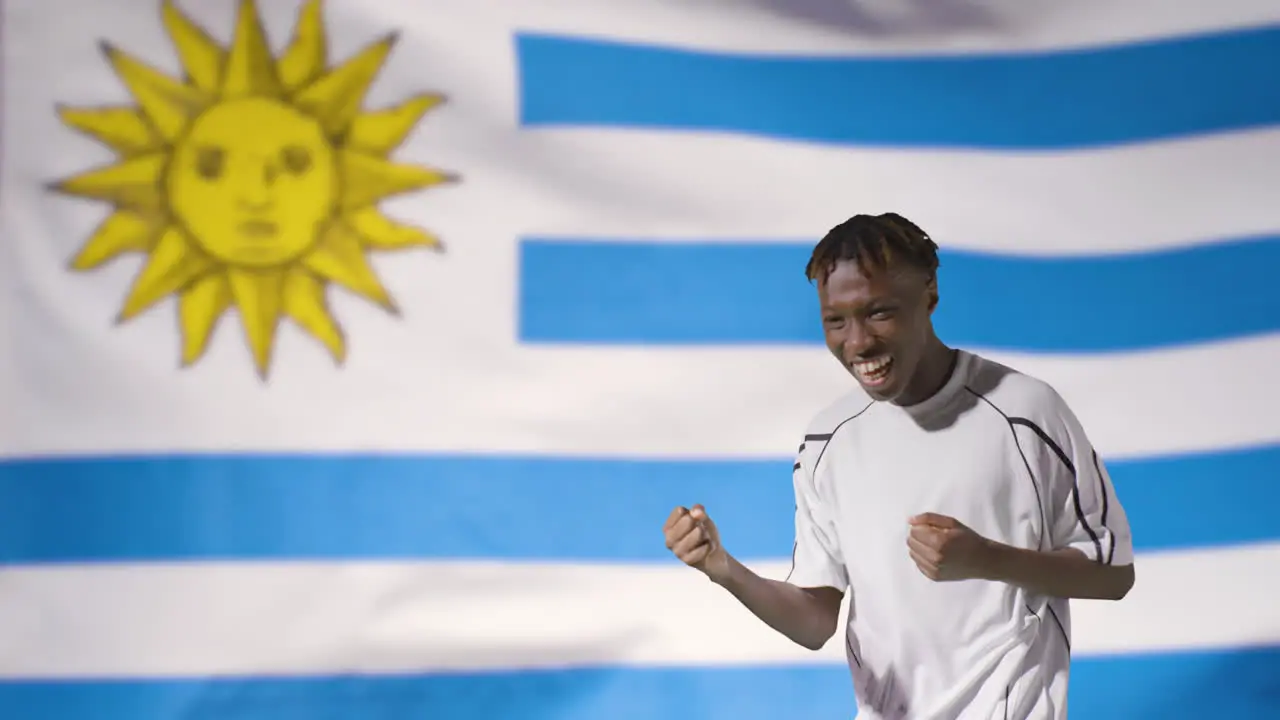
354,351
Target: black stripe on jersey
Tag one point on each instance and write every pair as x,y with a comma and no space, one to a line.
1102,488
1075,483
832,434
823,438
1035,484
1061,628
848,643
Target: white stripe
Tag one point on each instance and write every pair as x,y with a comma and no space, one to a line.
704,186
809,27
874,26
280,618
644,402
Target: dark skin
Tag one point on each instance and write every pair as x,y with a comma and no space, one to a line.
870,314
886,312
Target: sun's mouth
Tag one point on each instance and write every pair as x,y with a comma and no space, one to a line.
873,372
258,229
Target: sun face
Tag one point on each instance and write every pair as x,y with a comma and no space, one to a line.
252,183
253,197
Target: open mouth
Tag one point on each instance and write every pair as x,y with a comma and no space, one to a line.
873,372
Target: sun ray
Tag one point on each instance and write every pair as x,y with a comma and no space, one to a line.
378,232
305,304
368,179
380,132
122,232
132,184
259,296
200,307
250,69
172,265
200,55
335,98
167,104
304,60
123,129
340,259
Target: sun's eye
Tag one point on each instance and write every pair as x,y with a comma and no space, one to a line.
210,162
296,158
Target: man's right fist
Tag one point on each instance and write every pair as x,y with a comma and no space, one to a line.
693,538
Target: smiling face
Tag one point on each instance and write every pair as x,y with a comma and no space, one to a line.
877,322
253,183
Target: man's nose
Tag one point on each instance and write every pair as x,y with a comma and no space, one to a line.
857,341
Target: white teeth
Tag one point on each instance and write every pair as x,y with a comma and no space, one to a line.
873,372
872,366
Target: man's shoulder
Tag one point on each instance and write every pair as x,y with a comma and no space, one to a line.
836,413
1013,392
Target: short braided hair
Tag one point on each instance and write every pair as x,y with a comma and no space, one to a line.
874,241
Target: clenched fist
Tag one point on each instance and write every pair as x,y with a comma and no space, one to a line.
946,549
693,538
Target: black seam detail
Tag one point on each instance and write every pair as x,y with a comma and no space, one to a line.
1075,484
1102,488
1061,627
825,437
1047,441
795,545
832,434
848,643
1035,485
1006,700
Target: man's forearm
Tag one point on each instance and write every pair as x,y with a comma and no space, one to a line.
807,617
1059,573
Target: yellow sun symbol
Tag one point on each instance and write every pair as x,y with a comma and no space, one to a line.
251,182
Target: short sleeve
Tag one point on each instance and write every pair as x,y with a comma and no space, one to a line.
816,560
1084,511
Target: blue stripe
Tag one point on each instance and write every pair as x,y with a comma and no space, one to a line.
1044,100
690,293
1233,684
318,507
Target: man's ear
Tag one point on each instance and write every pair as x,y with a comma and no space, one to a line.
932,289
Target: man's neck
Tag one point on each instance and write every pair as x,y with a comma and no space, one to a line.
935,369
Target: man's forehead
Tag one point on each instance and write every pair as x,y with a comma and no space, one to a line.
851,274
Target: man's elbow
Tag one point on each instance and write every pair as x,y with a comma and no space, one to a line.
1120,582
816,641
815,636
822,615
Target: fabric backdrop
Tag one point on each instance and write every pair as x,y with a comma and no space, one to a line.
354,352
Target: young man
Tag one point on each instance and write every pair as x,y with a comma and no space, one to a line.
958,500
